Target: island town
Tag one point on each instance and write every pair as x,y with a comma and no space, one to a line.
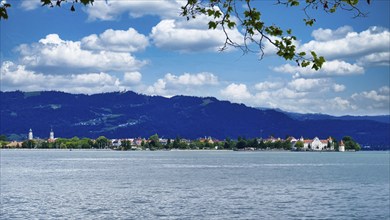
154,142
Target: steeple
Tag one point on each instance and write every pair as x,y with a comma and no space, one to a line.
51,134
30,134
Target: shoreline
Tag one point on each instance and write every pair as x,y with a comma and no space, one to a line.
182,150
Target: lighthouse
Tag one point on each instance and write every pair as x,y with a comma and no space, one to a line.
30,134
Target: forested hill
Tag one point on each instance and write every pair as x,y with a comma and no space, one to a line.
127,114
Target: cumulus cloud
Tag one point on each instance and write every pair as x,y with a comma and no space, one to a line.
182,84
345,43
236,92
303,85
380,95
188,79
14,77
338,87
324,35
190,36
111,10
298,95
377,59
29,5
268,85
54,55
329,68
132,78
116,40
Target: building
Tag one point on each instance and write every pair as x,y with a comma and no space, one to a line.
51,134
116,143
30,135
51,137
341,146
317,145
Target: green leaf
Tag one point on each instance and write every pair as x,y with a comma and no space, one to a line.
46,2
3,13
231,24
309,22
86,2
210,12
212,25
305,63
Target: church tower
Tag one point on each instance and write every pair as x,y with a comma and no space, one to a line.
30,134
51,134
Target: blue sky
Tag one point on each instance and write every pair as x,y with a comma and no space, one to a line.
144,46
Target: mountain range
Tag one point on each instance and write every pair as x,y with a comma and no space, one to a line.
128,114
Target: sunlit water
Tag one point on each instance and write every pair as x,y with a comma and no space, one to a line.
39,184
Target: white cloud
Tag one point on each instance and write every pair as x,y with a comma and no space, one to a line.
328,34
236,92
303,85
29,5
116,40
190,36
380,59
301,95
344,43
54,55
373,101
268,85
187,79
339,103
381,95
111,10
132,78
338,88
16,77
185,84
329,68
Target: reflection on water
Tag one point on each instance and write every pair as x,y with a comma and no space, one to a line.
193,185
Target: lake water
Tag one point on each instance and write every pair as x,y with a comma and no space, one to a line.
55,184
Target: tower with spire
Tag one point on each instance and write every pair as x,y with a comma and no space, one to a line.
51,134
30,134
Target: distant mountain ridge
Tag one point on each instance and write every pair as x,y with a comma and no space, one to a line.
128,114
318,116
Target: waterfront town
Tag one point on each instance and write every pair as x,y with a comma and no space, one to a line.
154,142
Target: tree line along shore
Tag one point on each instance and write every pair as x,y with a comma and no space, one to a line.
347,143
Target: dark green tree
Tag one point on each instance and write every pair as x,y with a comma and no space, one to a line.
241,143
168,145
154,142
229,144
3,137
299,145
102,142
350,143
126,145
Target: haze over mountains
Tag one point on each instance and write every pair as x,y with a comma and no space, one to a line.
127,114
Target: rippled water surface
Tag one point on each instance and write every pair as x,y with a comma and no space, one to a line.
38,184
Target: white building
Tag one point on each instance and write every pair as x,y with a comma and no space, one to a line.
116,142
317,145
341,146
51,137
30,135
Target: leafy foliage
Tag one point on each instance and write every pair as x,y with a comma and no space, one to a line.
350,143
226,15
